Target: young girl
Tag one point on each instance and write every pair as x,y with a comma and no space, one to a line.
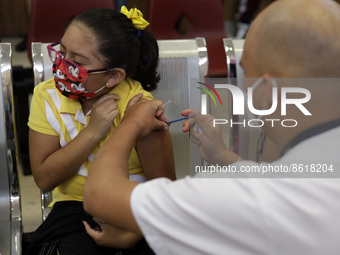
105,59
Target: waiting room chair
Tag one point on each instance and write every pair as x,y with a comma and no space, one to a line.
10,204
49,18
178,19
182,64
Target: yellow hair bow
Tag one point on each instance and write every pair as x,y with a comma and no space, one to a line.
136,16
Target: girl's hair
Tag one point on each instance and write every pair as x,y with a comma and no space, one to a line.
122,45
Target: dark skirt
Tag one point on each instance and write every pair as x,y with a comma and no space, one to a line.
63,230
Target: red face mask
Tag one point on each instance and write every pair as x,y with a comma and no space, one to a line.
70,78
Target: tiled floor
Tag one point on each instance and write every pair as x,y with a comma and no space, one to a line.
30,194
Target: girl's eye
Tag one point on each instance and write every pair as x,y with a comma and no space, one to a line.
77,63
62,54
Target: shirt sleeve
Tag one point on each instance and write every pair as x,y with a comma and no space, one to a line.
37,119
199,216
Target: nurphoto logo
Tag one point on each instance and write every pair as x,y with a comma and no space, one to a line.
242,104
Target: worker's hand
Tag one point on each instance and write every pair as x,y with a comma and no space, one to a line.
139,98
208,138
103,112
186,124
111,236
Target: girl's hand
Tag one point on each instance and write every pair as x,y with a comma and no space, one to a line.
111,236
103,112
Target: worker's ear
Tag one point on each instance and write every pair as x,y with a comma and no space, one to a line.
269,91
115,77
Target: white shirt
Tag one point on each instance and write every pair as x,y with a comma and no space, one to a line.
247,215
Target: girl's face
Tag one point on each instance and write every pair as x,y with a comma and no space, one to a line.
80,46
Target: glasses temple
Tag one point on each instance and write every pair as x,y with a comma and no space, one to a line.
100,71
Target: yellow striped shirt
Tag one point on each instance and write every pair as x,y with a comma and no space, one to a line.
52,113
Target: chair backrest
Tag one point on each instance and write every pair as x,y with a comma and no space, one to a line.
182,63
49,18
10,207
245,140
178,19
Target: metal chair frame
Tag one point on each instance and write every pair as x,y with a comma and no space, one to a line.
10,204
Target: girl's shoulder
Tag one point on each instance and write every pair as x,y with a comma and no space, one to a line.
129,88
43,87
137,88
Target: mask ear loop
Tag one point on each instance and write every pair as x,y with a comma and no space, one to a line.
260,80
101,88
106,84
274,82
274,85
260,146
262,138
253,87
257,83
97,91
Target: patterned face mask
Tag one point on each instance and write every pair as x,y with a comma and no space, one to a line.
70,78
